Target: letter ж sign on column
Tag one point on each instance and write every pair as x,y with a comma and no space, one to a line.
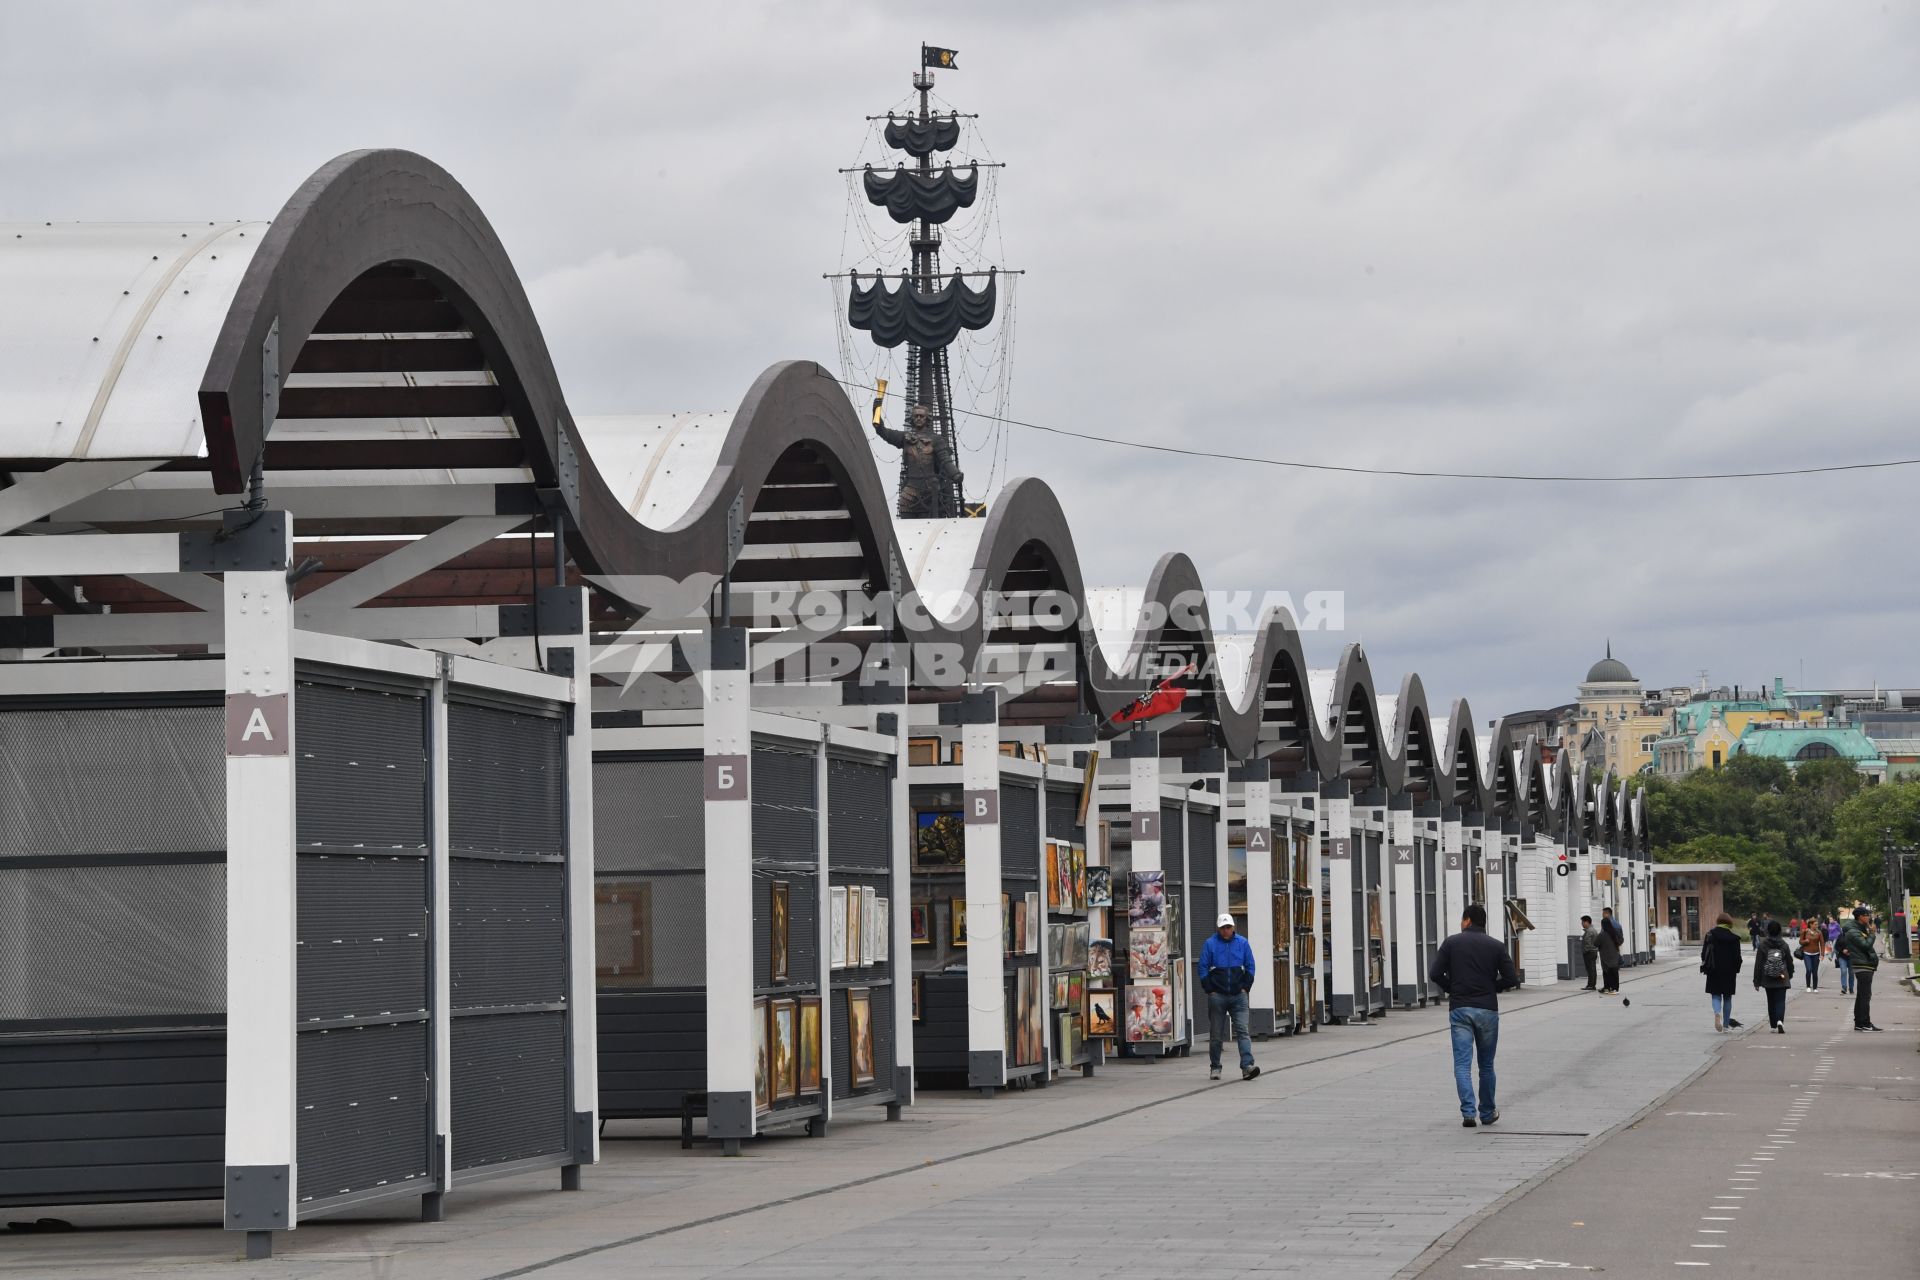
726,778
983,808
256,725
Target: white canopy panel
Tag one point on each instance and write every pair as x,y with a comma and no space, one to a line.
105,333
658,464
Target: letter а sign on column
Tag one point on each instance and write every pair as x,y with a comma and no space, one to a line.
256,725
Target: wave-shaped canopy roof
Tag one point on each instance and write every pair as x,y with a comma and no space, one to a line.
372,354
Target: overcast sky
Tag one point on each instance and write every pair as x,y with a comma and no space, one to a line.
1591,239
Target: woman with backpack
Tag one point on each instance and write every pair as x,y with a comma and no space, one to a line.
1813,945
1720,961
1773,973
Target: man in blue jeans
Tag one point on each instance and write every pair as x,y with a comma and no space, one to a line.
1473,969
1226,975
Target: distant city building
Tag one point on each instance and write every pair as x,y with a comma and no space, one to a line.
1798,743
1614,723
1703,733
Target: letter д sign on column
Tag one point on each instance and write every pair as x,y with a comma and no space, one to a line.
256,725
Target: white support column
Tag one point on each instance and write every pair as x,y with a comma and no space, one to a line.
583,1040
440,944
1405,959
900,949
726,741
1493,864
1337,847
980,820
1453,872
261,1160
823,886
1253,811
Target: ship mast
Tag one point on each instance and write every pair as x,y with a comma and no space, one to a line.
928,381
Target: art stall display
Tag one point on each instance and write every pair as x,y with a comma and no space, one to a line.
920,922
882,930
869,925
856,926
1033,924
957,911
779,904
1149,1012
860,1036
939,840
762,1064
810,1044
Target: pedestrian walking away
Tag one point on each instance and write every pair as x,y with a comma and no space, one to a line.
1610,939
1590,951
1813,945
1755,930
1856,943
1473,969
1773,973
1720,961
1226,975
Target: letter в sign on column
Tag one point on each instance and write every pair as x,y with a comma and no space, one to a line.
982,808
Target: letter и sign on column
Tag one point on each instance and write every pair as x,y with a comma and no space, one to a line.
726,777
982,808
256,725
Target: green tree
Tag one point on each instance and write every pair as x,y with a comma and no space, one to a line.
1858,826
1761,880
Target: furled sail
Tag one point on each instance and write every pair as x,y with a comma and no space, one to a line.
923,137
909,195
927,320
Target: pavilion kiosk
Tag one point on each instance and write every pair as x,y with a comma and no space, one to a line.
999,920
1413,919
1147,836
1271,851
1343,886
758,991
1077,922
1539,898
1370,823
1297,879
1455,879
302,923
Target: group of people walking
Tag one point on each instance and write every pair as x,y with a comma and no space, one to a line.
1852,945
1600,948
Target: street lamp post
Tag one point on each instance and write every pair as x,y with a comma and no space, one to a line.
1895,857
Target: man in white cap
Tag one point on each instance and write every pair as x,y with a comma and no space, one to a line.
1226,975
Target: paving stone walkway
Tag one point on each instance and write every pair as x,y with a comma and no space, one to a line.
1344,1159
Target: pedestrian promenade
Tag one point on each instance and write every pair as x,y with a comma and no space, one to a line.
1796,1154
1344,1159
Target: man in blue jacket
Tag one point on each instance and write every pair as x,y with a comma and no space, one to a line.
1226,975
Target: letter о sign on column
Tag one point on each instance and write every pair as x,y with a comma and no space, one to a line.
256,725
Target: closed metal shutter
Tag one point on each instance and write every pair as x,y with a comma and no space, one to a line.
364,1116
507,798
860,855
1204,874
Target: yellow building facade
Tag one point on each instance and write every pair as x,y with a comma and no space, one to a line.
1611,708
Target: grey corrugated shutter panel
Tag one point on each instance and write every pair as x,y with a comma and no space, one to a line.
364,1115
507,794
1019,834
1063,812
1203,874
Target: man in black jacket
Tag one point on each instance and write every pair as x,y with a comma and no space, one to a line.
1473,969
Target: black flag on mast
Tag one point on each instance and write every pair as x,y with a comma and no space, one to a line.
942,58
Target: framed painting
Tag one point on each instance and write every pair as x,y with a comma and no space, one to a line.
1059,983
1079,942
870,922
855,925
1149,1012
1052,873
1033,923
1006,923
1178,981
956,752
623,933
919,922
779,904
1076,990
1237,879
939,840
1079,877
1088,779
1100,958
1147,899
784,1018
1146,954
1099,886
923,750
810,1044
916,997
762,1064
1056,945
860,1036
837,926
883,929
1100,1012
957,919
1017,928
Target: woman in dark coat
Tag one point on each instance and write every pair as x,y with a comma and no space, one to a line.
1720,961
1773,973
1609,958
